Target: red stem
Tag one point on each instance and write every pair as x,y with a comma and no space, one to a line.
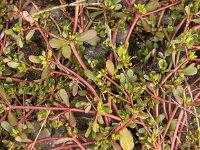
76,18
13,79
78,142
168,124
71,146
173,71
80,78
77,55
137,16
11,107
134,116
159,9
176,129
4,116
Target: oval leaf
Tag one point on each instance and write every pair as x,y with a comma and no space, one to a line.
19,42
75,89
34,59
87,35
66,51
126,139
6,126
9,32
3,94
190,70
110,67
45,72
30,34
13,64
145,25
94,41
90,75
64,96
151,6
72,120
56,43
12,119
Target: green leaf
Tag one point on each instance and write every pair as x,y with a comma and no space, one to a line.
6,126
151,6
94,41
90,75
173,125
126,139
3,94
87,133
87,35
75,89
19,42
187,10
160,35
34,59
95,127
13,64
160,118
122,78
196,20
96,13
110,67
12,119
178,91
88,108
145,25
152,18
190,70
56,43
30,34
64,96
82,92
9,32
45,72
122,50
72,120
66,51
130,73
100,120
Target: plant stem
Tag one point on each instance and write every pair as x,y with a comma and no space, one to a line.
176,129
71,146
12,107
77,55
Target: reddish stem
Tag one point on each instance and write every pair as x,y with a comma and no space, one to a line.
176,129
77,55
76,18
159,9
80,78
4,116
72,146
13,79
137,16
173,71
134,116
168,124
180,133
11,107
78,142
